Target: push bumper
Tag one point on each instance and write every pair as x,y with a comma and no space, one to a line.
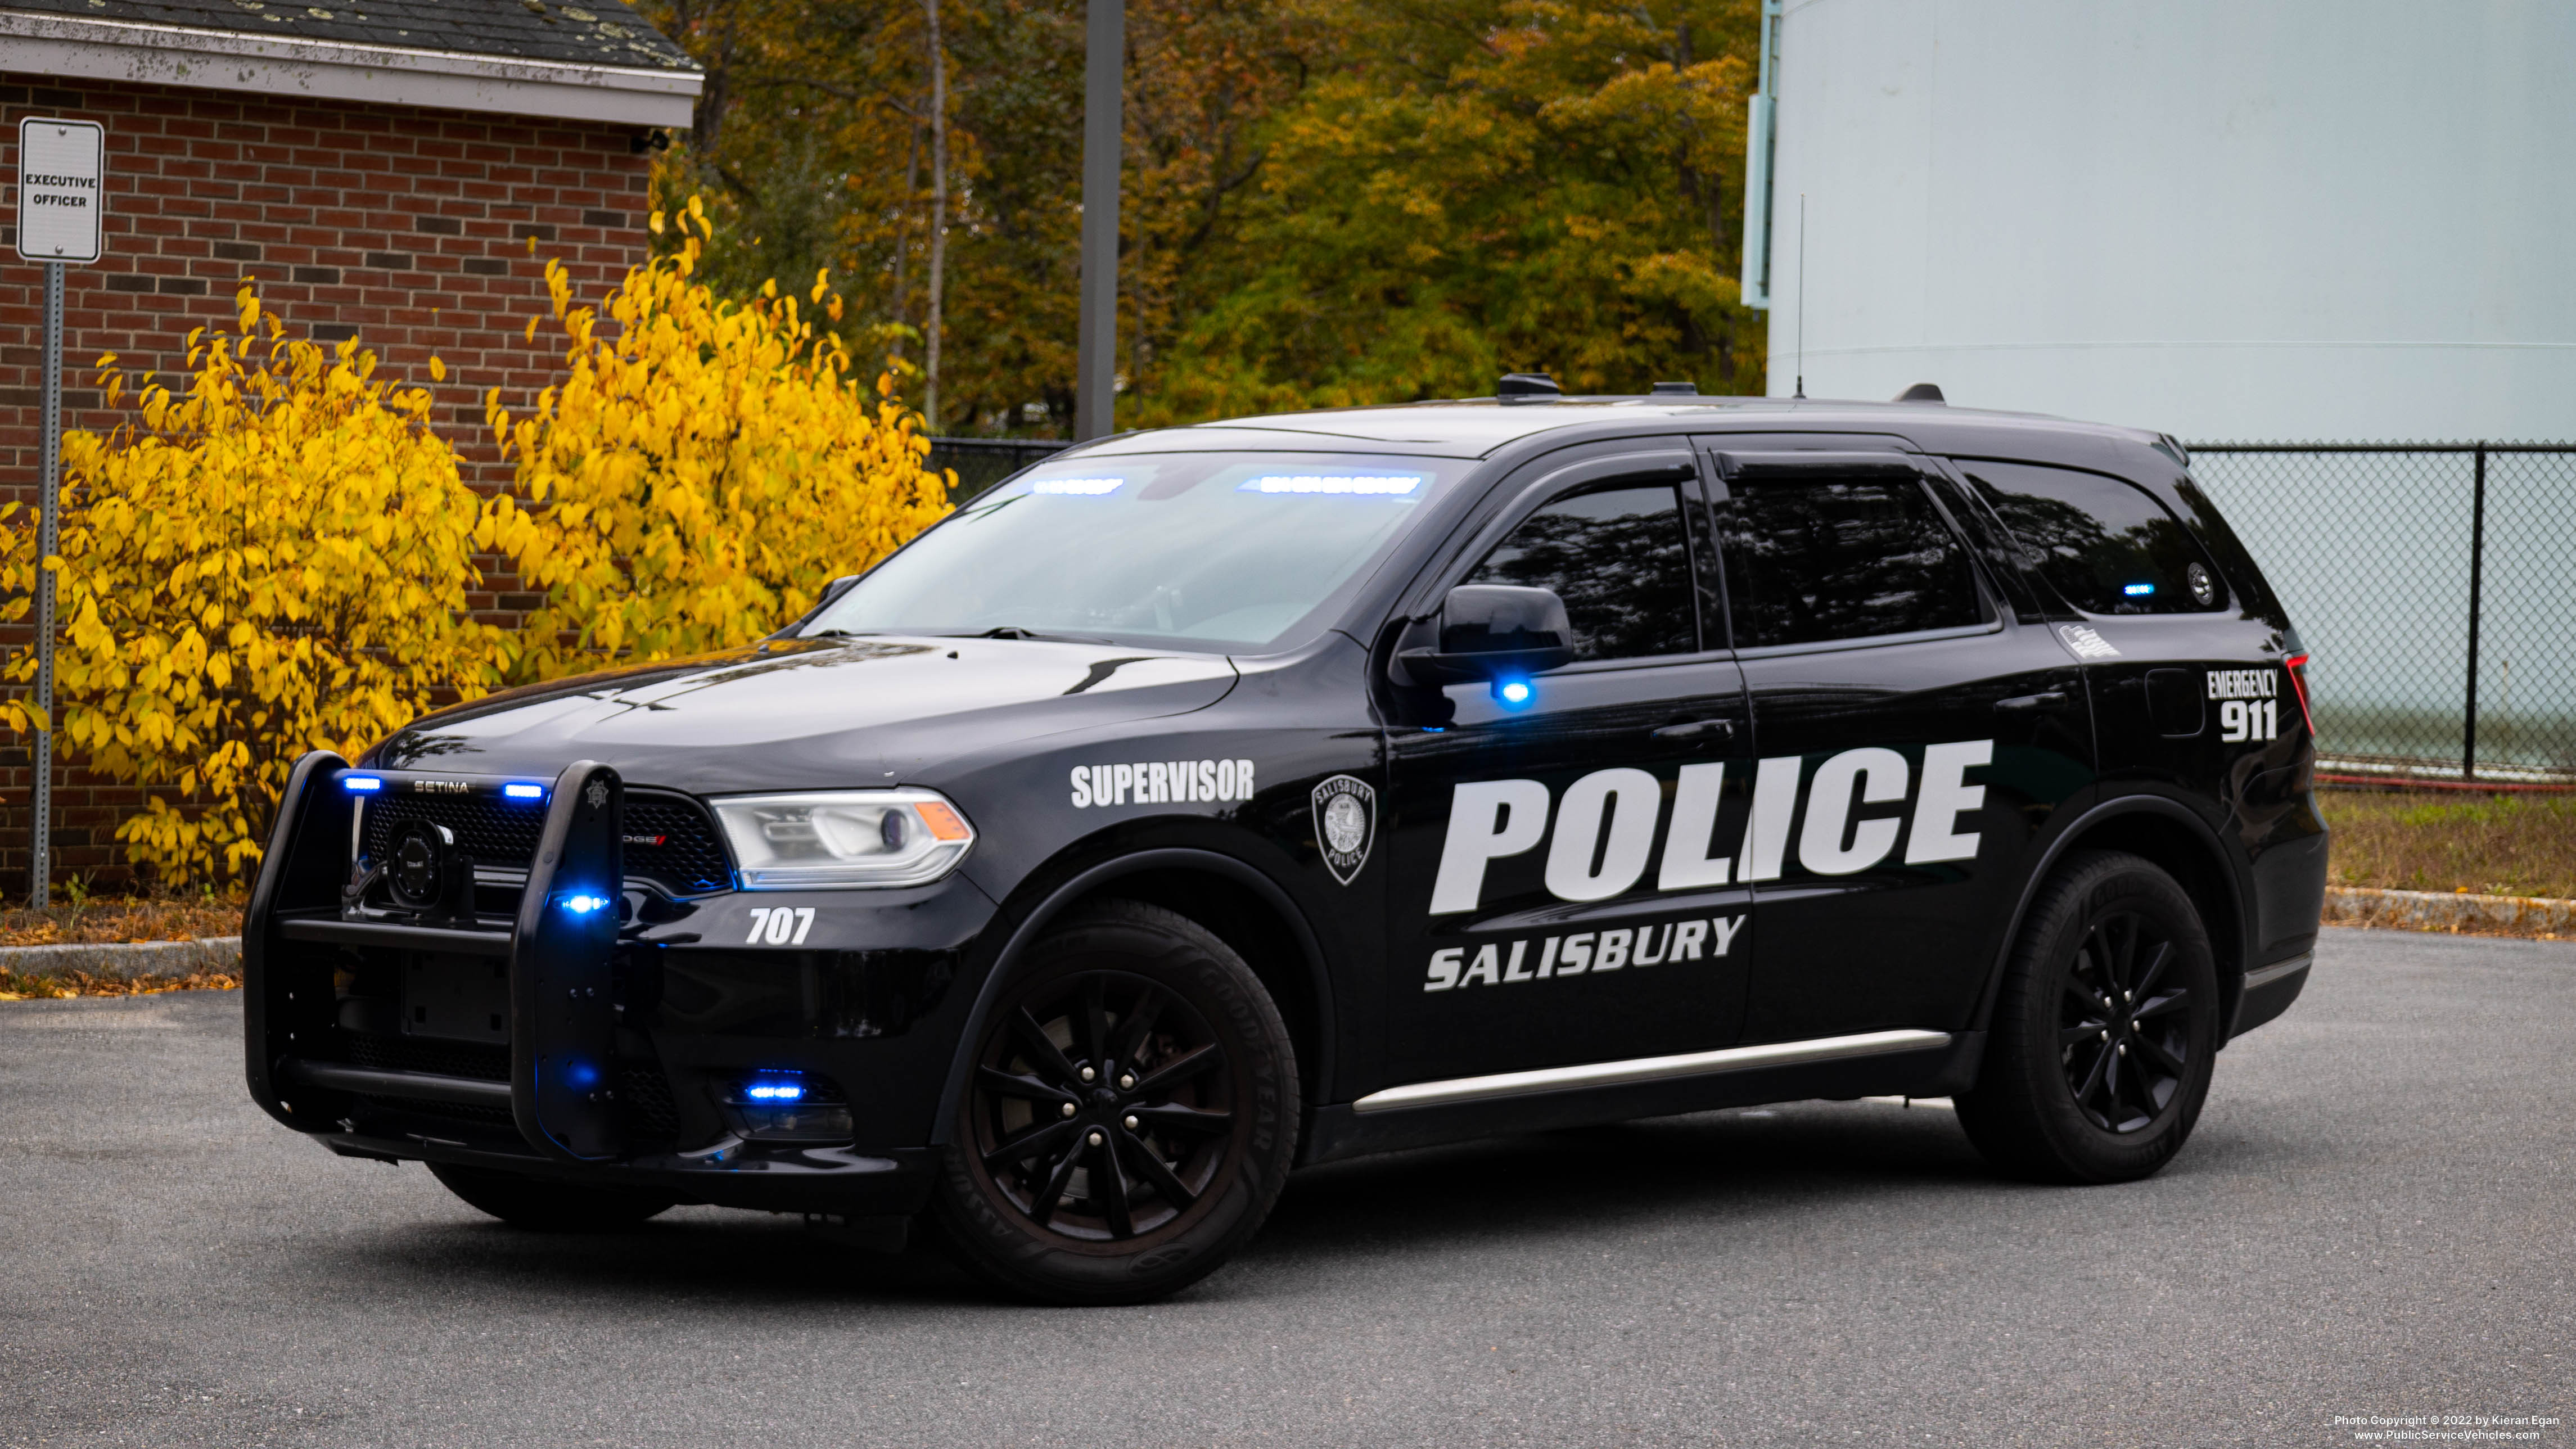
566,1096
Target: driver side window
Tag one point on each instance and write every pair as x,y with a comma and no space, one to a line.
1618,554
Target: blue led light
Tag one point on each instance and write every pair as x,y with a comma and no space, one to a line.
771,1089
519,790
584,905
363,784
1514,693
2136,590
580,1074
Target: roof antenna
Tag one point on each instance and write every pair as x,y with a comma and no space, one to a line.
1801,363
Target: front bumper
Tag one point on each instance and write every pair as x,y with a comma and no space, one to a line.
574,1047
840,1181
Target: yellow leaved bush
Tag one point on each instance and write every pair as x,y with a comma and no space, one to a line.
703,471
274,561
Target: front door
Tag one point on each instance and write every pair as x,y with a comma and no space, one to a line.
1555,901
1912,734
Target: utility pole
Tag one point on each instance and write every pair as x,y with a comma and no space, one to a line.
1095,388
938,215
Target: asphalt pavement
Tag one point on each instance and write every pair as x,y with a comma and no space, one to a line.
2373,1219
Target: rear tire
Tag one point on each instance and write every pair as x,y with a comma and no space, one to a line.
2105,1030
1130,1118
527,1202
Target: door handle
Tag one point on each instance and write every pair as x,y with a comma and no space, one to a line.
2051,700
1696,729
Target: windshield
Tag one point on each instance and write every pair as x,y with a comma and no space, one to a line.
1228,552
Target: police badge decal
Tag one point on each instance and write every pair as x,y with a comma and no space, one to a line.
1345,824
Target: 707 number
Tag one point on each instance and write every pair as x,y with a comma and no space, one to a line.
779,925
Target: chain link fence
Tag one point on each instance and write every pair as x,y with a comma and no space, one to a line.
2431,581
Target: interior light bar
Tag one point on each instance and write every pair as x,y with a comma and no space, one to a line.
1079,487
2137,590
1380,485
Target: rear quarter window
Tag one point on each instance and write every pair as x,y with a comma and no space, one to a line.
2106,546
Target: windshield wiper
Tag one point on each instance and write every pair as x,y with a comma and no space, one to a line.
1014,631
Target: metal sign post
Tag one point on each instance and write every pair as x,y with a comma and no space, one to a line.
62,203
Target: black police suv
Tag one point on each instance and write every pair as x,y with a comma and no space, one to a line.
1206,802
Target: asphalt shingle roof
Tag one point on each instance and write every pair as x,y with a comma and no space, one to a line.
594,32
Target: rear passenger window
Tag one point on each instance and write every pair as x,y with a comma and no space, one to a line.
1810,560
1619,558
2107,546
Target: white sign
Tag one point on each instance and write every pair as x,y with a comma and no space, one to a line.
62,190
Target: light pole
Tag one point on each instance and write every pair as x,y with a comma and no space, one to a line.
1095,387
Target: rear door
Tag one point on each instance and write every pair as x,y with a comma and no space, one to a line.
2193,695
1552,900
1913,735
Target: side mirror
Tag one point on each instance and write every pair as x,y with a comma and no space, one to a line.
1492,631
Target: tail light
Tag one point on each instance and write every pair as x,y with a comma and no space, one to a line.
2297,665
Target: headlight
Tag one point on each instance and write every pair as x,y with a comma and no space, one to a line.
843,838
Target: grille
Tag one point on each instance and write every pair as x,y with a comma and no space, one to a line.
647,1095
495,833
437,1058
669,842
690,859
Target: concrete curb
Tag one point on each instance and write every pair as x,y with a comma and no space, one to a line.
2436,911
127,960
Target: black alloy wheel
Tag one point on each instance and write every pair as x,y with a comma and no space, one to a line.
1129,1117
2124,1023
2104,1033
1104,1107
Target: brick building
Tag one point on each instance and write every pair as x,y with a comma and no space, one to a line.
399,171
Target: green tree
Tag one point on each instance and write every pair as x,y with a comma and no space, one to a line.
1480,186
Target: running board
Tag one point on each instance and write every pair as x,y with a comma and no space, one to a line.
1458,1090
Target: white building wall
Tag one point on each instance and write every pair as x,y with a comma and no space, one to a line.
2295,219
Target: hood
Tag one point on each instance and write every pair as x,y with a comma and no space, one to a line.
808,713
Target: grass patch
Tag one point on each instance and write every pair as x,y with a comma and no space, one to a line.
56,986
86,920
2501,845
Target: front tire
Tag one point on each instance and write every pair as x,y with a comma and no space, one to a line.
555,1207
1131,1115
2105,1031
